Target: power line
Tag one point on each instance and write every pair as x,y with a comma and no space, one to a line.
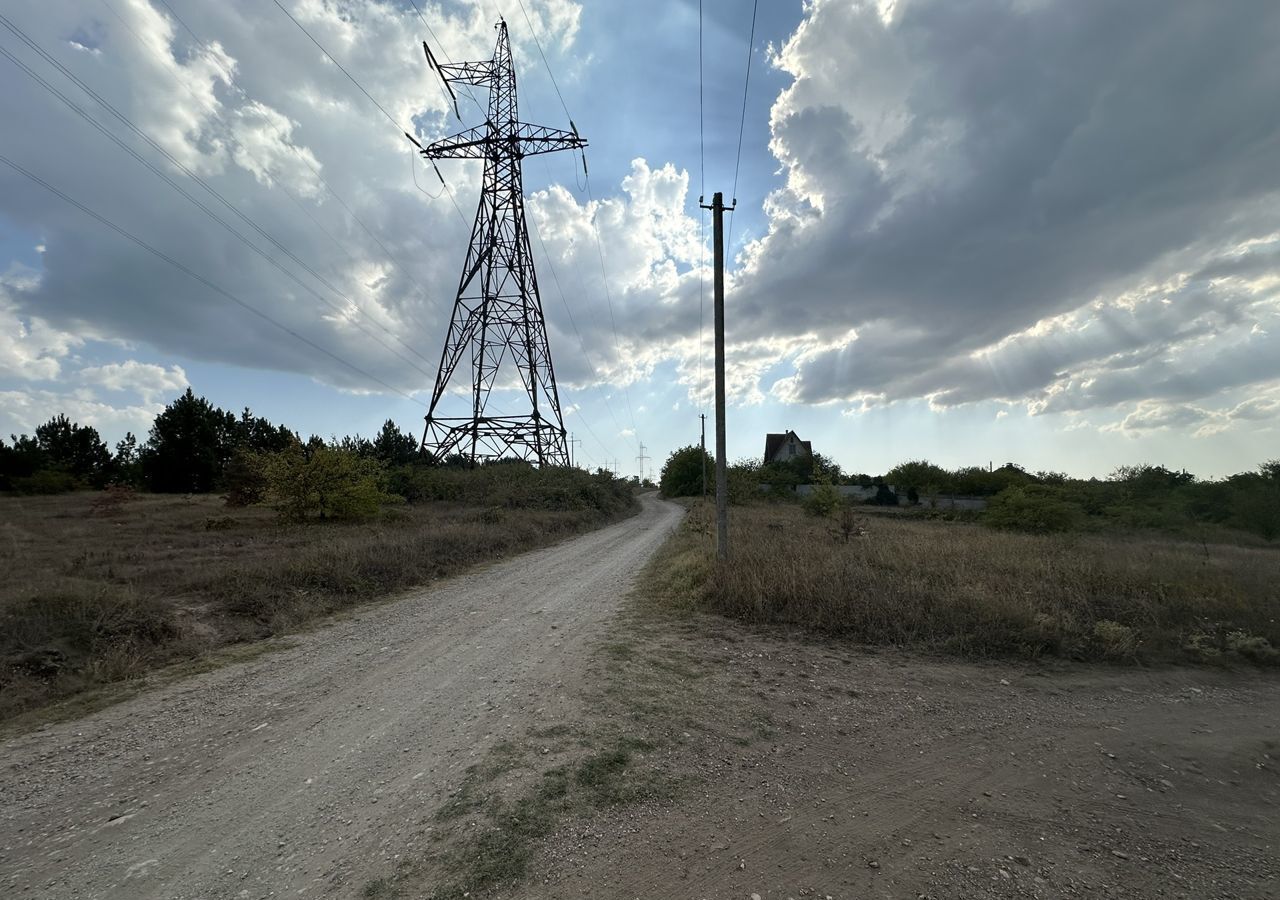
200,278
197,203
537,43
301,157
341,68
466,89
360,87
595,229
746,84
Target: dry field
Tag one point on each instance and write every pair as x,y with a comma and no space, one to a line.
97,591
961,588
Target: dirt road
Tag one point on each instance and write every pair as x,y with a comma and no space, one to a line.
307,771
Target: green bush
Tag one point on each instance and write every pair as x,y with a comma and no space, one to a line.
47,481
1034,508
683,471
822,501
331,484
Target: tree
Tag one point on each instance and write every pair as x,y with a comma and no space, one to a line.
885,496
682,473
126,466
332,484
257,434
918,474
75,449
190,443
393,446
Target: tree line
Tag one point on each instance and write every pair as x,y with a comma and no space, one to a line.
192,448
1137,496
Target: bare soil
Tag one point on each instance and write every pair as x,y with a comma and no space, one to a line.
815,769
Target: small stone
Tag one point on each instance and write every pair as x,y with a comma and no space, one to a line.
873,864
1022,860
1119,854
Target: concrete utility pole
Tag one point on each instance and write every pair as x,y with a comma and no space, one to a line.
641,459
703,462
573,440
717,208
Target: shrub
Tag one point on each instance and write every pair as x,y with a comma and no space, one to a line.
682,473
332,484
822,501
1034,509
47,481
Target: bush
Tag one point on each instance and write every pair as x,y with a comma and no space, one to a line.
47,481
1035,509
332,484
822,501
682,473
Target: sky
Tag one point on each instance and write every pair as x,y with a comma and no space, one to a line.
1039,231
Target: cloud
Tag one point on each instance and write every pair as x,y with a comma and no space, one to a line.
22,410
1023,202
147,380
244,100
30,349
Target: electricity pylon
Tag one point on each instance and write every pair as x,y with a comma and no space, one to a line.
497,316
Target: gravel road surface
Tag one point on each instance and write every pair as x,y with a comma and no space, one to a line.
308,771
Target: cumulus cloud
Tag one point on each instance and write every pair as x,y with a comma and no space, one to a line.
1023,202
147,380
1068,206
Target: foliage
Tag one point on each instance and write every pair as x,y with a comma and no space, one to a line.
885,496
513,485
245,478
918,474
74,449
1034,508
822,501
126,464
393,446
325,482
683,472
192,441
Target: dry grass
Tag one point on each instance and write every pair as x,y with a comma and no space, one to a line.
98,593
960,588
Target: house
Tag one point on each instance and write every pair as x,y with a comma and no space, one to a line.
785,447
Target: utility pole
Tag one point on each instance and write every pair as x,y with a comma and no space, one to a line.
717,208
703,461
641,460
573,440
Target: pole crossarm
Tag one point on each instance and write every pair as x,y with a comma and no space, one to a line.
487,142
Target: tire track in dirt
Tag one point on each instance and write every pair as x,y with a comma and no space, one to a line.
310,769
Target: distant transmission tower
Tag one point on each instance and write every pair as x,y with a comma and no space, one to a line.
497,316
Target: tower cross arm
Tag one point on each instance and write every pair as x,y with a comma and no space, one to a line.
484,141
478,74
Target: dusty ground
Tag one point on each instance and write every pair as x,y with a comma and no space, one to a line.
831,772
308,771
791,768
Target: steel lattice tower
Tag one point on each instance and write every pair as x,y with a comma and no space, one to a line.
497,316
